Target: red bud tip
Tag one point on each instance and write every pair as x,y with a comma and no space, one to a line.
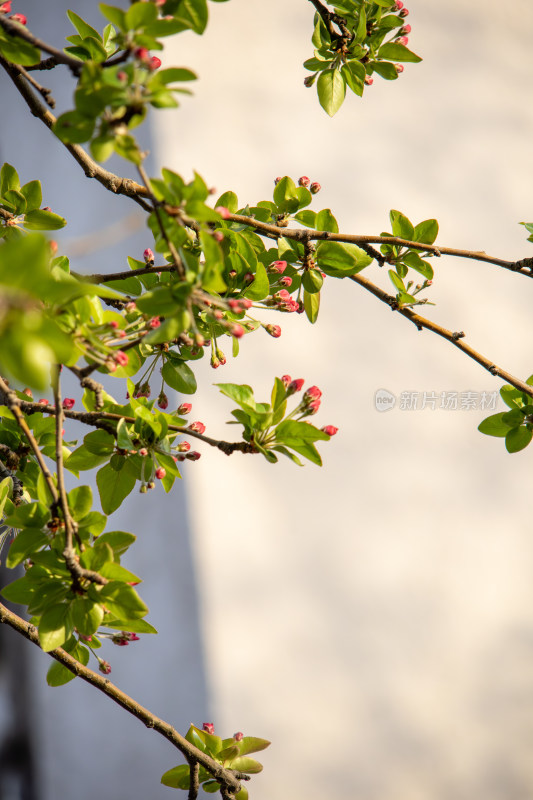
19,18
68,402
141,53
121,358
162,401
143,452
331,430
45,208
208,727
286,380
104,666
304,181
6,7
185,408
183,447
237,331
273,330
155,63
113,324
223,211
160,473
313,407
369,81
278,266
28,392
277,180
405,30
194,455
131,306
399,68
218,236
402,40
315,188
198,427
148,255
296,385
399,5
122,76
155,322
238,736
43,402
286,281
404,12
313,393
53,247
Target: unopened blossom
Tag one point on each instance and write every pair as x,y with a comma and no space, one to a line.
197,427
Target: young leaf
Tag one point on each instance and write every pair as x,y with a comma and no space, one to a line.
331,88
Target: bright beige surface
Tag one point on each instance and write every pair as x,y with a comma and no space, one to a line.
385,599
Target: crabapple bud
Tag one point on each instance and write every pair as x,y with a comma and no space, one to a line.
223,211
278,266
218,236
368,80
237,331
273,330
184,408
155,322
160,473
402,40
5,7
404,12
148,255
121,358
162,401
286,280
68,402
19,18
315,188
295,385
104,666
331,430
286,380
405,30
304,181
208,727
198,427
238,736
194,455
399,68
313,393
143,452
155,63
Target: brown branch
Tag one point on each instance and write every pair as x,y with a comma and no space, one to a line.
456,338
194,784
46,94
114,183
226,778
14,28
101,277
330,19
98,418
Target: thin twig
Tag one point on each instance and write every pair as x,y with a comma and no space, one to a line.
14,28
225,777
194,784
456,338
179,268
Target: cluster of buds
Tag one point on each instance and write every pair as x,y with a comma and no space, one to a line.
124,638
284,302
310,402
191,455
150,62
403,12
141,390
314,187
239,304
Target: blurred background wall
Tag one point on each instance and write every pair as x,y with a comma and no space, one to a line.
373,617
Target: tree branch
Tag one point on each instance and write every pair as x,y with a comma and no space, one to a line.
456,338
330,19
225,777
14,28
112,182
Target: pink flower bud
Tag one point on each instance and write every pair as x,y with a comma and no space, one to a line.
313,393
198,427
313,407
399,5
238,736
282,295
160,473
278,266
249,277
148,255
104,666
277,180
155,322
331,430
218,236
405,30
215,362
208,727
28,392
404,12
286,281
53,247
43,401
141,53
19,18
237,331
45,208
143,452
286,380
304,181
162,401
223,211
368,80
6,7
113,324
68,402
399,68
273,330
122,76
183,447
295,385
402,40
121,358
131,306
155,63
315,188
194,455
184,408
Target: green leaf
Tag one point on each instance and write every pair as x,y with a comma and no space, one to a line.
18,51
28,541
122,600
139,15
55,626
338,259
9,179
80,501
252,744
83,28
401,226
73,127
397,281
260,286
518,438
325,221
311,305
312,280
113,486
179,376
397,52
242,394
33,195
131,625
331,88
414,261
31,515
426,231
58,674
247,765
177,777
87,615
115,15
